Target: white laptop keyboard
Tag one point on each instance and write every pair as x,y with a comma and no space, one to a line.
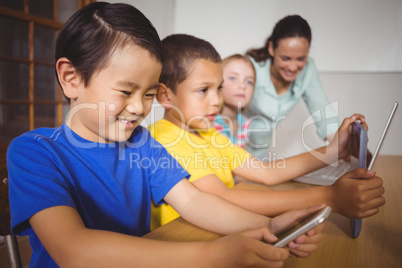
326,175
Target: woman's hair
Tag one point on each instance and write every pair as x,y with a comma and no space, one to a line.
290,26
230,58
180,52
93,33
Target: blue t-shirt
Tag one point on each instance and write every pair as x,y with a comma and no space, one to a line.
110,185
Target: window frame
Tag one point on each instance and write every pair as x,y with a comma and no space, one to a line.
31,62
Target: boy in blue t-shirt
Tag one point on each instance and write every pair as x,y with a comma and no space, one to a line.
82,191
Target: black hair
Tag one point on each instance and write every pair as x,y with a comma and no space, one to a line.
90,36
180,52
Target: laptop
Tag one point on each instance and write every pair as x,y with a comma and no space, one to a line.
329,174
360,158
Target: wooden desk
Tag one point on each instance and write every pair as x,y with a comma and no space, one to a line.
378,246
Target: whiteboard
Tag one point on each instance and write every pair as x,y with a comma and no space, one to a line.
348,35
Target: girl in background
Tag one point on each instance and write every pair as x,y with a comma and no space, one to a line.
237,91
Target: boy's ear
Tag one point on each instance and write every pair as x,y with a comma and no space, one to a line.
68,77
165,96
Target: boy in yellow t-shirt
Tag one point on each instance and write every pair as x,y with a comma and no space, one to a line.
189,90
199,157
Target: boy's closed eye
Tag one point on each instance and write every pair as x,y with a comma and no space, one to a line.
150,95
127,93
122,91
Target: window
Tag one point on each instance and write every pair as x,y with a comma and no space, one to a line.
29,94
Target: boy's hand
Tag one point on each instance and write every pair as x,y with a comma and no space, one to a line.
306,244
247,249
282,222
357,194
341,139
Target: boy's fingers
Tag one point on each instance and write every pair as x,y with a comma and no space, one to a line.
371,212
262,234
308,211
272,254
375,192
349,120
371,182
304,251
289,219
361,173
313,236
359,117
316,230
372,206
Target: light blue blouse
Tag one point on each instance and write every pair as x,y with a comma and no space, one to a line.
267,107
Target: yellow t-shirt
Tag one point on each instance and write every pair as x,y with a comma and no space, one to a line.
213,153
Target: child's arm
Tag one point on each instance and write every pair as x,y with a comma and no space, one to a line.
193,205
271,173
71,244
348,196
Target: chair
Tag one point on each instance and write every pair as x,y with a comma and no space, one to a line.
5,218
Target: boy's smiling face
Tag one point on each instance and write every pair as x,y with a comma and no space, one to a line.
117,98
197,99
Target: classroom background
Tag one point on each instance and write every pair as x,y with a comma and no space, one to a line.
357,47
